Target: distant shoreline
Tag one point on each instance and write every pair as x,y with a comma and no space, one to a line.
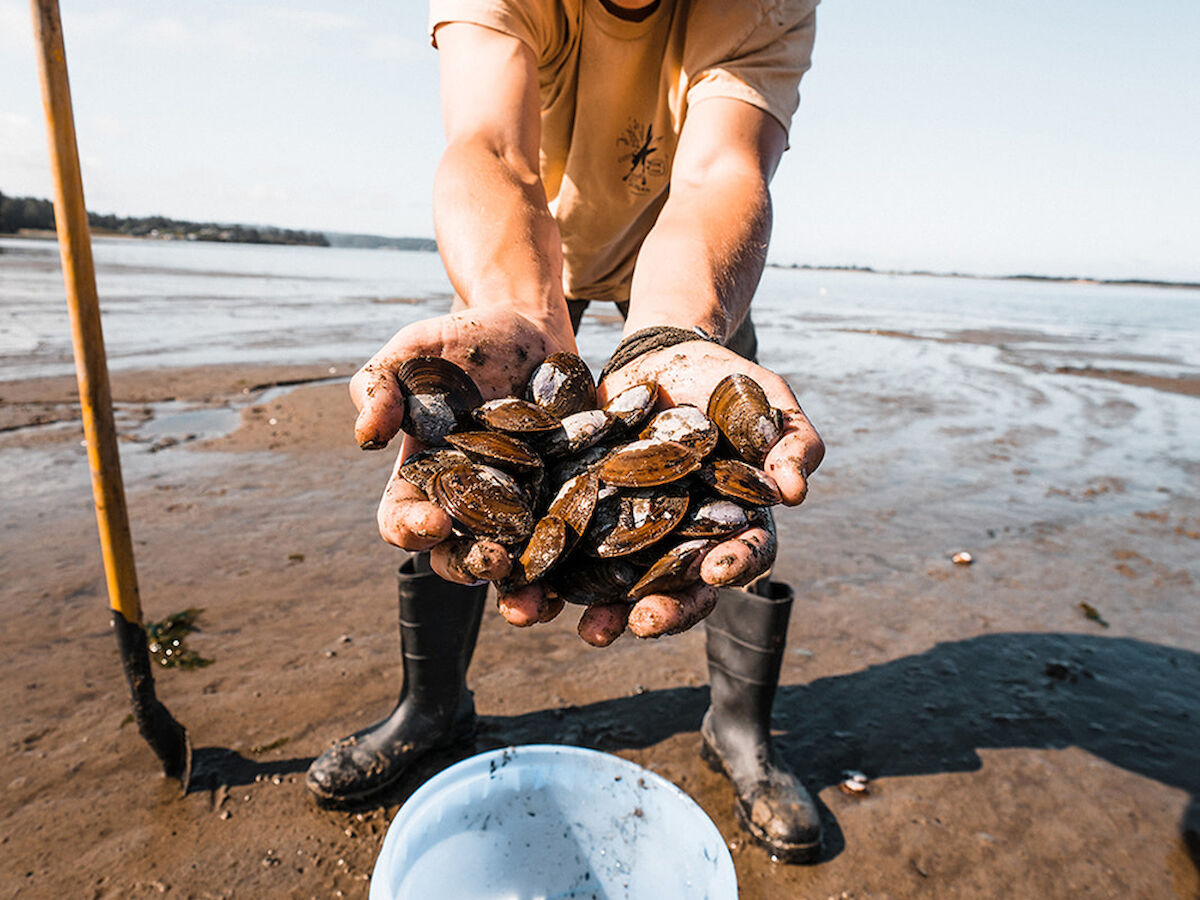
342,240
1066,279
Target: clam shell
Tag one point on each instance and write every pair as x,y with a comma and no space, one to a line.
495,448
562,385
582,462
547,544
740,481
686,424
578,432
741,410
518,417
678,568
648,463
627,522
485,501
715,518
438,398
575,502
420,468
594,582
634,404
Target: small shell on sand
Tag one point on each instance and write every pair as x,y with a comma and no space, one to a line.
962,558
855,784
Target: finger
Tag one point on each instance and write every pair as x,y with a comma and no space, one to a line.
407,519
740,559
795,456
470,561
552,607
380,402
601,625
658,614
374,388
524,606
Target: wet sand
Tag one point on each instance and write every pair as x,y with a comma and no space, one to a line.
1015,747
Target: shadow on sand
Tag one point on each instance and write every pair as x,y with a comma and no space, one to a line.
1132,703
213,767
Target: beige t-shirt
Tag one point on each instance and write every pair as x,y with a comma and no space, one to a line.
614,96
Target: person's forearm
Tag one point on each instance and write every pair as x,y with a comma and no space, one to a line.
495,233
702,261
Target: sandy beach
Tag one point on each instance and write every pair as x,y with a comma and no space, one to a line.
1015,747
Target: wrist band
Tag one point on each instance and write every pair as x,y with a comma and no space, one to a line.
647,340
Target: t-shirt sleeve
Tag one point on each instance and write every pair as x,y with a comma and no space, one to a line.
765,68
524,21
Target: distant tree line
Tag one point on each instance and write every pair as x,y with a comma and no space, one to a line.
379,242
35,213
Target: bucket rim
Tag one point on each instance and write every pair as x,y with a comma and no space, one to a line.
484,764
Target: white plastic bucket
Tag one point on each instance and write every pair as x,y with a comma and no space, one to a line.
543,822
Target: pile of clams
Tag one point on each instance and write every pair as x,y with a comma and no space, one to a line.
599,505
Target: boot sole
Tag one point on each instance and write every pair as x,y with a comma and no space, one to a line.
341,801
788,853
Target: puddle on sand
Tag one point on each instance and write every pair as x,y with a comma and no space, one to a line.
172,422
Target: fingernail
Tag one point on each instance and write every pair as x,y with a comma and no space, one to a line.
372,444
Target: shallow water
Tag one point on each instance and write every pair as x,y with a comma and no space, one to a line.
179,303
949,376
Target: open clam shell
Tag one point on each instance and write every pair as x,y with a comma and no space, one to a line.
741,410
633,405
675,570
686,424
626,522
516,417
485,501
740,481
648,463
495,448
562,385
438,398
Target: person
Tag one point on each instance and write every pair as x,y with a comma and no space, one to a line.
600,150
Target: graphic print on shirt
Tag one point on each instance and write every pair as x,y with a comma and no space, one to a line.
642,155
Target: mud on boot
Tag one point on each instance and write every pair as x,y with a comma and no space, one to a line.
439,623
746,638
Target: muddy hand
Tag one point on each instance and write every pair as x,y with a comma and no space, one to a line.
498,348
653,616
687,373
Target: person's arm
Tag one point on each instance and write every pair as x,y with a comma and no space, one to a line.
701,262
502,252
498,240
700,266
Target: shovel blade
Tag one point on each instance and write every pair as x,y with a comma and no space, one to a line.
166,737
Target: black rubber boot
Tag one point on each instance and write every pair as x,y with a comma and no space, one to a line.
747,634
439,623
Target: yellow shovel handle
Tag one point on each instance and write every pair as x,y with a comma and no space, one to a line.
79,275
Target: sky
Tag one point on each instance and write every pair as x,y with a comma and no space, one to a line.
1056,137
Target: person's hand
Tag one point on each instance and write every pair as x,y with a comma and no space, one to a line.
687,373
498,348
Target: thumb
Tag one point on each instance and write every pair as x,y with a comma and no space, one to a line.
799,449
375,389
795,456
380,402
